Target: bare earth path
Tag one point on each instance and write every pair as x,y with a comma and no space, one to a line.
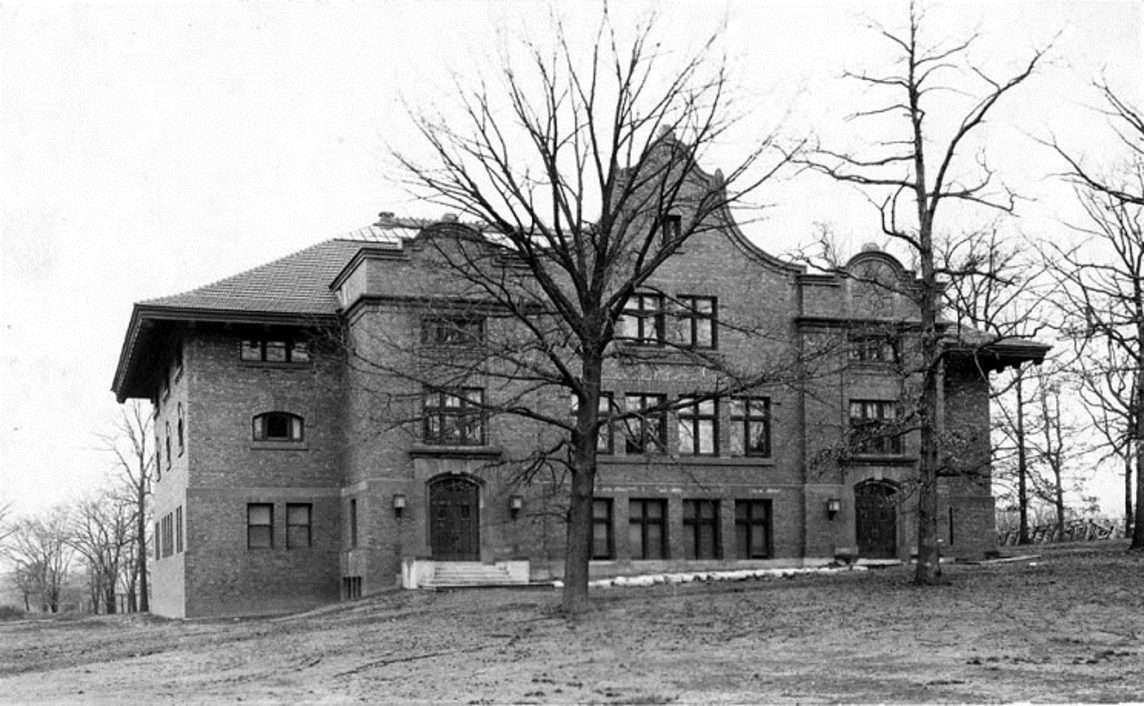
1063,628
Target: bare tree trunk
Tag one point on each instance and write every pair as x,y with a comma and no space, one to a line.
141,539
1022,462
578,543
1129,517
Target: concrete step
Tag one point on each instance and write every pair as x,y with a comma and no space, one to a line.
469,575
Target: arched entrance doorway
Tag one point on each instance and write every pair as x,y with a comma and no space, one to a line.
876,519
455,519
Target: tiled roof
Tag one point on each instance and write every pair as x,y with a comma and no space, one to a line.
295,284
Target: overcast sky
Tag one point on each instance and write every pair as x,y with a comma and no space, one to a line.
153,148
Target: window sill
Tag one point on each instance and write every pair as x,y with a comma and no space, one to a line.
879,460
441,451
733,461
279,446
665,354
288,365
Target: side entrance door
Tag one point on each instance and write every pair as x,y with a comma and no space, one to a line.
876,518
454,507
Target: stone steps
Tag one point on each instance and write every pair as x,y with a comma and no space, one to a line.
469,574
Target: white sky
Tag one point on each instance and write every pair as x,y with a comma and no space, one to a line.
153,148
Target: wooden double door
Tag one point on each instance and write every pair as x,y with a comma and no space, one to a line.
876,519
455,519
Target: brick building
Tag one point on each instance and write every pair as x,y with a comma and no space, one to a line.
295,468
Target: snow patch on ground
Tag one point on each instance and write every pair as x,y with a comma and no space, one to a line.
693,576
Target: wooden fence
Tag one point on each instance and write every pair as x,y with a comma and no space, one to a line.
1074,531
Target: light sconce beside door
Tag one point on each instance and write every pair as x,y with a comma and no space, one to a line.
833,507
398,504
515,504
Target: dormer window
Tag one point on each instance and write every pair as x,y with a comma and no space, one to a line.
277,426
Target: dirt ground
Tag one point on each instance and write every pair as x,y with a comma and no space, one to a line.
1065,627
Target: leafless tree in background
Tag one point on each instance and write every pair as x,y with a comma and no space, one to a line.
135,459
908,176
39,548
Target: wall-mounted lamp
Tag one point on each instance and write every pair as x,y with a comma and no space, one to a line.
515,504
398,504
833,507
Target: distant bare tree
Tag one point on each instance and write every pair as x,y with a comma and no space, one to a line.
135,460
1102,305
908,177
39,548
103,530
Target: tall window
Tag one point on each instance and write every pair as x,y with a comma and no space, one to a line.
181,424
873,428
752,529
158,541
873,349
672,227
697,318
353,522
259,526
751,426
167,426
452,330
298,525
698,428
277,426
643,320
647,432
179,529
158,460
454,418
701,527
274,350
647,529
603,542
605,441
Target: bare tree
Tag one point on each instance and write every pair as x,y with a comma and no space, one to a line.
39,547
103,530
1102,280
909,177
570,165
131,444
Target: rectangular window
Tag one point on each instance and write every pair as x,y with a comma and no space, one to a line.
647,529
701,527
353,523
158,541
647,432
698,428
751,426
298,525
643,320
752,529
873,349
168,536
179,529
274,350
697,322
671,226
259,526
454,418
603,543
873,427
605,441
351,587
452,330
